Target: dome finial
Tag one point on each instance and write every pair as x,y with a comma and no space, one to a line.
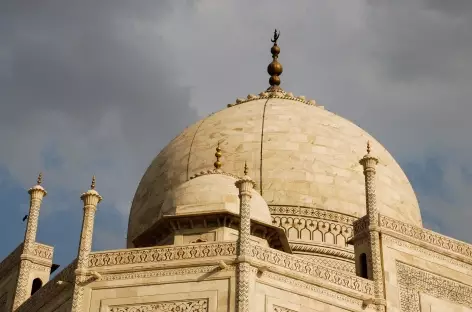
275,69
40,178
92,186
218,155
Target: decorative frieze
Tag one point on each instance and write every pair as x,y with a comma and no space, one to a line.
341,265
413,281
195,305
316,213
43,251
331,251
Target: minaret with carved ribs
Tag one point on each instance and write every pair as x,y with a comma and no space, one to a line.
369,163
245,185
91,198
37,193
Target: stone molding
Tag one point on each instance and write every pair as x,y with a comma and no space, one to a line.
413,281
275,95
427,238
195,305
318,213
322,250
166,272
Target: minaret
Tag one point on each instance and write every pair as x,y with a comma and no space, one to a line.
91,198
374,256
275,69
245,185
37,193
369,163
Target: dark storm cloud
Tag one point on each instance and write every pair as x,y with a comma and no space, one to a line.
99,87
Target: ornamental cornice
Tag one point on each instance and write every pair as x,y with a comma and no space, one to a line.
303,211
275,95
427,238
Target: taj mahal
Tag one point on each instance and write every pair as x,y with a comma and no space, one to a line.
272,204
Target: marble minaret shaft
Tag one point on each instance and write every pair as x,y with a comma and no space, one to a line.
91,199
245,185
37,193
369,163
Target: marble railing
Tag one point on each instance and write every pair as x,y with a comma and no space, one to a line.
427,237
161,254
269,256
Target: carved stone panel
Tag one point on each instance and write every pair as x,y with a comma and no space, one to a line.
413,281
282,309
195,305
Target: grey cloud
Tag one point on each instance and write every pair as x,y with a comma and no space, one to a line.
108,83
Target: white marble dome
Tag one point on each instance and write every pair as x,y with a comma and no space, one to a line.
211,193
300,155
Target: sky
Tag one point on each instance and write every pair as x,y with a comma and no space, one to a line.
100,87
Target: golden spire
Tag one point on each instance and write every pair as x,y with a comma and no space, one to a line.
93,183
246,169
218,155
40,178
275,69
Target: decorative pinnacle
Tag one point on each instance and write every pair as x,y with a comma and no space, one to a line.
368,147
218,155
40,178
246,169
275,69
92,186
